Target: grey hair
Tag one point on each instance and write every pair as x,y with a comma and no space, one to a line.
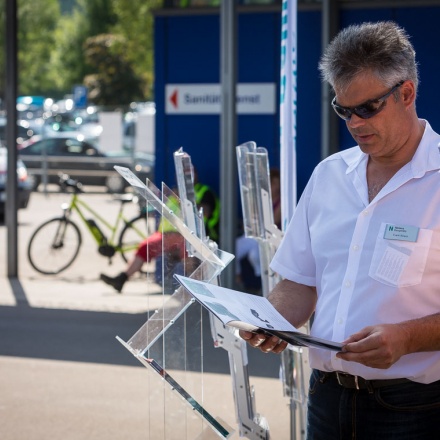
382,48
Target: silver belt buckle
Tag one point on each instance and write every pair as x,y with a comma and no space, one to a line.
356,381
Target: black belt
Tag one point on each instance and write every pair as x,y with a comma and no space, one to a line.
359,383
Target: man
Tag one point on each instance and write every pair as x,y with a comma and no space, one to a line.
362,251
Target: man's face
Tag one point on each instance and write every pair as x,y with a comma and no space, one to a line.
384,134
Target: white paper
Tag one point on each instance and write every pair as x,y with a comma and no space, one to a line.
391,265
232,305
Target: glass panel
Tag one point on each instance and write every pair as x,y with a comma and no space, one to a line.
254,173
170,343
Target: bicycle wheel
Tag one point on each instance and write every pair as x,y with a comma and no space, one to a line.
133,233
54,246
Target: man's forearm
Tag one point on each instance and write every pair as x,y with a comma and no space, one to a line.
423,334
296,302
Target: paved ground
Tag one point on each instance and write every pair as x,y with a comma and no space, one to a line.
64,375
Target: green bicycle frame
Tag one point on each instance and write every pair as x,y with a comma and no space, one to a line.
79,206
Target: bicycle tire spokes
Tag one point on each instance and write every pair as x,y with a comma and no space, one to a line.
51,257
58,241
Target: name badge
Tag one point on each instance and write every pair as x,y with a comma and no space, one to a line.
401,232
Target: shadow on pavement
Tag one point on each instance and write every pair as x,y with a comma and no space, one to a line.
86,336
18,292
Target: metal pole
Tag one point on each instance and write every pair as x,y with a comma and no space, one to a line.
330,122
228,135
11,136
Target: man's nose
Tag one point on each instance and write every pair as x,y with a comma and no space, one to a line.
355,121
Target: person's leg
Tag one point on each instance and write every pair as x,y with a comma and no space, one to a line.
116,282
323,415
169,260
169,243
405,411
134,265
153,246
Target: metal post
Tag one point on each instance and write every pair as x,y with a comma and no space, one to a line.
228,134
11,136
330,122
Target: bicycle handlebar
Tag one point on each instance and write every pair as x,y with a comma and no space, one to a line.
67,183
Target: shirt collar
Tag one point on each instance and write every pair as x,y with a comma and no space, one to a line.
426,158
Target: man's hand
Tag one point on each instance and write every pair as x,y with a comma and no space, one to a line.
264,342
378,346
296,302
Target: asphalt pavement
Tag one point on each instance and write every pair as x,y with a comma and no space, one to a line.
63,374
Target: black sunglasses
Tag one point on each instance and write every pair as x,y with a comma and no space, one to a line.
366,110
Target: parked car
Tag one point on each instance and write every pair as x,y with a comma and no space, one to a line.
83,161
24,131
25,183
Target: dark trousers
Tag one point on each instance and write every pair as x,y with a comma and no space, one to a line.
408,411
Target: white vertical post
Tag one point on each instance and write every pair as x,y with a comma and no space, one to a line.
288,110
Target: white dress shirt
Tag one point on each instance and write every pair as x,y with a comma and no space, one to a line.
364,276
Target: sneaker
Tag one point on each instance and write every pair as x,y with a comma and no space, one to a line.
116,282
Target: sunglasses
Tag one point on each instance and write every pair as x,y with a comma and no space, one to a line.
366,110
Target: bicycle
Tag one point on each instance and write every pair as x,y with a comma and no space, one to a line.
55,244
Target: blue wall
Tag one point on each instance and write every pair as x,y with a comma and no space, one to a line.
187,50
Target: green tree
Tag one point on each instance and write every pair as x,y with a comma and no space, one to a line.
114,81
99,16
135,22
36,22
67,59
52,48
89,18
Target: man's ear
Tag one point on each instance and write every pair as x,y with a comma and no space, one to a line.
408,93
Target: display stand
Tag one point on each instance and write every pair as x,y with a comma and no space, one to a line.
250,424
170,343
254,174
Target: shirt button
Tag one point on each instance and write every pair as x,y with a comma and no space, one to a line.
355,247
347,283
340,321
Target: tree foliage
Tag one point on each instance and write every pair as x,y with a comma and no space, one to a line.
36,23
56,52
114,82
135,23
36,26
67,60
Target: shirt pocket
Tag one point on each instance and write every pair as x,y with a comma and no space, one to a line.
400,263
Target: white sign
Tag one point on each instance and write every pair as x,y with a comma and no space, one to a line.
110,138
252,98
145,134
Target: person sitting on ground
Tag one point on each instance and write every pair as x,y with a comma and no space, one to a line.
173,245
